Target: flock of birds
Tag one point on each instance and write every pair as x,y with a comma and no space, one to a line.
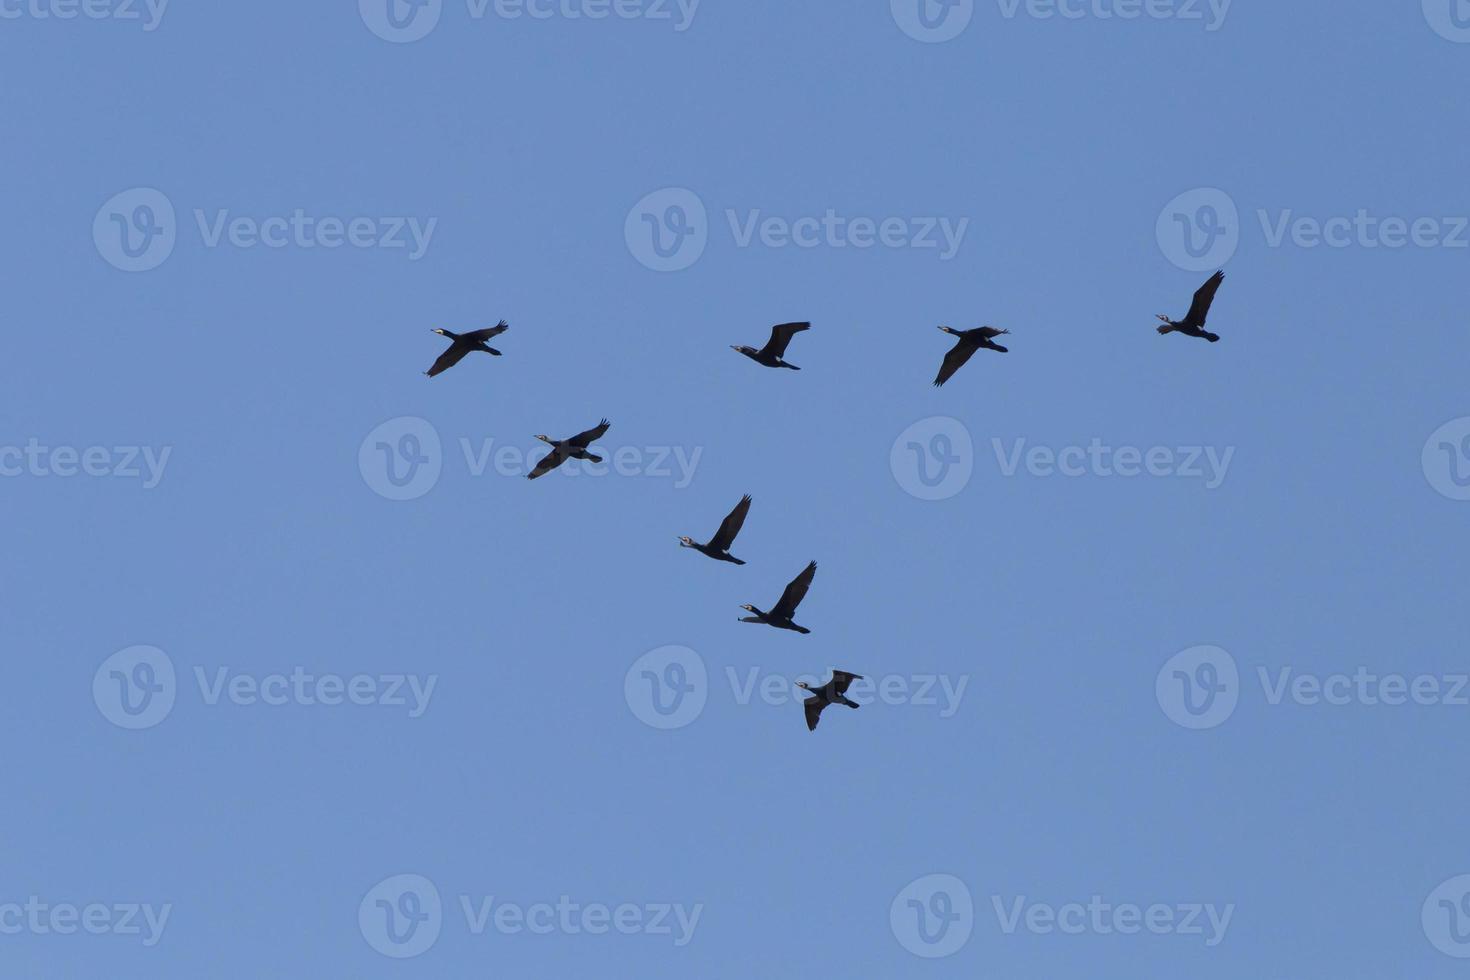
773,355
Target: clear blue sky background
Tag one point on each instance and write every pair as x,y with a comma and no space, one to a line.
1059,599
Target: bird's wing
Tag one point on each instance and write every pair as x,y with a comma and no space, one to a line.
1200,308
584,439
990,333
814,708
842,680
731,526
954,360
487,333
548,463
794,593
781,335
452,356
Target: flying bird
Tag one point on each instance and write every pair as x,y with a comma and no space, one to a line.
832,692
970,342
719,545
463,343
565,449
773,353
1193,324
780,616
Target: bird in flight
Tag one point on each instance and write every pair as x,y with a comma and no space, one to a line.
565,449
719,545
970,342
1193,324
832,692
463,343
780,616
772,355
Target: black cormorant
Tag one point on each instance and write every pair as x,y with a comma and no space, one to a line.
463,343
1193,324
780,616
771,355
970,342
719,545
565,449
832,692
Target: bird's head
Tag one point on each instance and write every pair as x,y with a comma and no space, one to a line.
748,607
1162,317
685,542
949,330
547,439
442,333
742,349
803,685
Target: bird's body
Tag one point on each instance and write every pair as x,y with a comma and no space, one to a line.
780,615
463,343
1193,324
565,449
970,341
718,547
774,353
832,692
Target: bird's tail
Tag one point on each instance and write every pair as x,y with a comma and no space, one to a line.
736,561
801,629
593,458
1212,337
998,347
492,350
791,366
850,704
1166,328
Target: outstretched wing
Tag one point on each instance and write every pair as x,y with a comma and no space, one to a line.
481,336
814,708
548,463
452,356
1200,308
842,680
954,360
731,526
794,593
990,333
584,439
781,335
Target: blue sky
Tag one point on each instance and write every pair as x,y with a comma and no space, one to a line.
1197,720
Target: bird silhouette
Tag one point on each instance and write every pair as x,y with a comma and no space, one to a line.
1193,324
773,354
464,343
832,692
970,341
565,449
780,615
718,547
